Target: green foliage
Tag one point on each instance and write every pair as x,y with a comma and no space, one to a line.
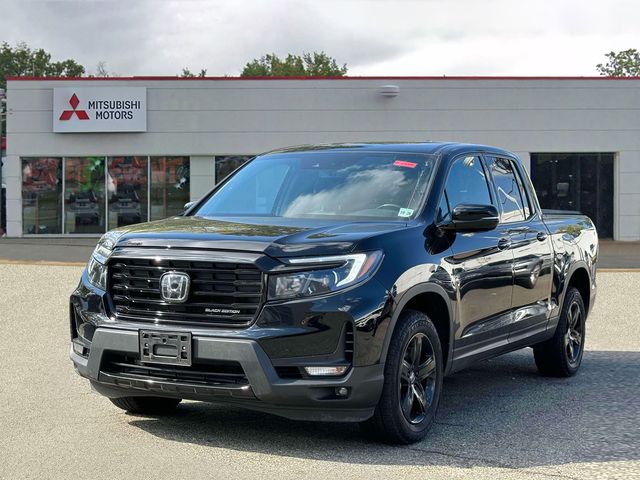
621,64
20,61
186,73
308,65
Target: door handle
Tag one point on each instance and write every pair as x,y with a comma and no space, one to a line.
517,230
504,243
541,236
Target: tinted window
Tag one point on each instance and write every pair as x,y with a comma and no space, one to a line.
326,184
526,204
510,197
467,183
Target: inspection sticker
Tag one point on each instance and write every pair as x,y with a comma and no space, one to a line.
405,212
403,163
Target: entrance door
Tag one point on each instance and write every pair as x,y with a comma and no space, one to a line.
576,181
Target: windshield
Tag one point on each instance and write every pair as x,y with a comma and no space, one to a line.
325,184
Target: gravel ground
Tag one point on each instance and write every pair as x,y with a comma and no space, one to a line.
497,420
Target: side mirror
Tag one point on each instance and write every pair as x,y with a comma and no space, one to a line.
188,205
472,218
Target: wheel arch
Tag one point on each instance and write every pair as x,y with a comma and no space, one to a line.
432,300
580,279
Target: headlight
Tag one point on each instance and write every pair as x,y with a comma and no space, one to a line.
106,244
344,271
97,273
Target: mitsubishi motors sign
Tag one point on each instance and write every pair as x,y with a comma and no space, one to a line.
99,109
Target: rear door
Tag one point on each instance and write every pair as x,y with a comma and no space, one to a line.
530,245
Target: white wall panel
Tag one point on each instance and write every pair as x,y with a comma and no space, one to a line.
201,118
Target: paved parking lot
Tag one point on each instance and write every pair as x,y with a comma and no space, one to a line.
497,420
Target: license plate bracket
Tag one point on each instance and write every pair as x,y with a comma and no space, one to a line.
168,348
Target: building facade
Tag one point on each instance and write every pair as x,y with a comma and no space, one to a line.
88,155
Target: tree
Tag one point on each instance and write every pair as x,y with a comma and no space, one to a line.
101,69
186,73
308,65
22,61
621,64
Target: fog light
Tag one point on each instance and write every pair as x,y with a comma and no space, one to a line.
326,371
342,391
80,349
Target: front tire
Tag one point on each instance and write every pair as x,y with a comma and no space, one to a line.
412,382
147,405
561,355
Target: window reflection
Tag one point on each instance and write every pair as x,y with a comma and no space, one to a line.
127,190
41,195
84,206
226,164
170,186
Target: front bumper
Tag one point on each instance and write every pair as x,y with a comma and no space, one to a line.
300,399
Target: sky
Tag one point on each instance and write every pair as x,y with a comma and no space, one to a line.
373,37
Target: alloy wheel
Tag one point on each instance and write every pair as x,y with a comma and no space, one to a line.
417,378
574,335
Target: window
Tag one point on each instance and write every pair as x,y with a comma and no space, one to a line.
225,165
577,181
326,184
90,195
467,183
510,197
255,193
170,186
127,190
41,195
84,199
526,203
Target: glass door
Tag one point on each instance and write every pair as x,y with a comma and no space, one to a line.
84,199
576,181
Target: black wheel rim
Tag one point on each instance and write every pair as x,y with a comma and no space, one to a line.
574,335
417,378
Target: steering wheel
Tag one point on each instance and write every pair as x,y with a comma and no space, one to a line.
389,205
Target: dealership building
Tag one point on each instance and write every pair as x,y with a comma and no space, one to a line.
87,155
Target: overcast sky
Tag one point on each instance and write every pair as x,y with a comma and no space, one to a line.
374,37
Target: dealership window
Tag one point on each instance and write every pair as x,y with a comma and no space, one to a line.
84,195
170,186
577,181
226,164
90,195
41,195
127,182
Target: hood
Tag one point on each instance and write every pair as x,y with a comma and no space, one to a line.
277,237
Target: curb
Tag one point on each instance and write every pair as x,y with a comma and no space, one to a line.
5,261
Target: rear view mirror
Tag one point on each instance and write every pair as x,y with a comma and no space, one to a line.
472,218
188,205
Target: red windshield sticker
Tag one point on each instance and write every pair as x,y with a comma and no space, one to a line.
402,163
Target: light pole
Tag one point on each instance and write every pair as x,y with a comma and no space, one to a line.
2,102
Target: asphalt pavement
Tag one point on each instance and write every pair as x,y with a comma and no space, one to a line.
499,419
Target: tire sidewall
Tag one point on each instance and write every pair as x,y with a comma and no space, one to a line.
573,296
411,323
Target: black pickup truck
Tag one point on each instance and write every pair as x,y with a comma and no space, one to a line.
337,283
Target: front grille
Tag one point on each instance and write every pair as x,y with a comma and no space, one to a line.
221,293
209,373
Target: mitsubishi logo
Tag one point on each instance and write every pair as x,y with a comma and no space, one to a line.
67,114
174,287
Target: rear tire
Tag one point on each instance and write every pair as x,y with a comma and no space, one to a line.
561,355
147,405
412,382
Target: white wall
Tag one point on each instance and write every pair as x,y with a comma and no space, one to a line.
205,117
